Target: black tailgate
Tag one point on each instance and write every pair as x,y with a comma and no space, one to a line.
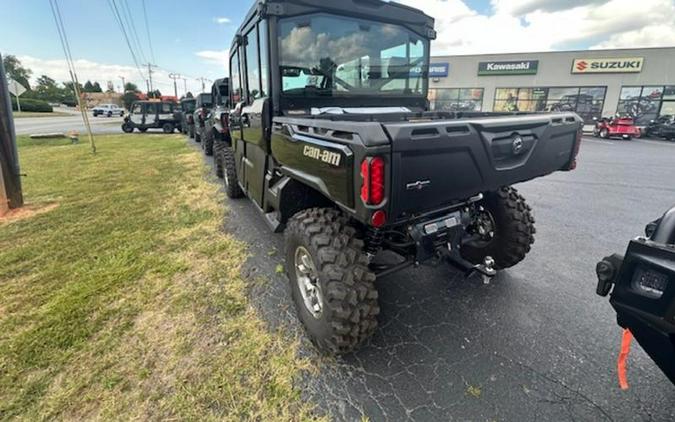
436,163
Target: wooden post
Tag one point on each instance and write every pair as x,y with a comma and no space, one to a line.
4,204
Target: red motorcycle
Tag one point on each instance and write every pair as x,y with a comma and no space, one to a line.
623,127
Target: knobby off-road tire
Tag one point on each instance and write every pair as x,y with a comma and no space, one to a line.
349,305
513,234
209,138
218,158
232,188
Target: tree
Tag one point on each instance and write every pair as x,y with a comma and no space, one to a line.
130,87
97,87
189,95
88,87
48,90
155,94
16,71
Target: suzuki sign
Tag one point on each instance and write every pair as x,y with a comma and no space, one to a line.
611,65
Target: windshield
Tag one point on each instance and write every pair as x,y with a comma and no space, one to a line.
332,55
206,100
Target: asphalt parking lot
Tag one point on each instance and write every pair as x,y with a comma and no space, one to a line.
536,344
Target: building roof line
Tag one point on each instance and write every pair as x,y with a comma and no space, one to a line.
599,51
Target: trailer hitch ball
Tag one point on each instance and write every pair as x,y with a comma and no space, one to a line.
489,267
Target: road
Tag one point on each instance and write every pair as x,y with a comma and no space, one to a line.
34,125
536,344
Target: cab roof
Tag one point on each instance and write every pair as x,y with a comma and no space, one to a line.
377,10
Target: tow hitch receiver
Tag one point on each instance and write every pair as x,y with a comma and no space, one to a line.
442,237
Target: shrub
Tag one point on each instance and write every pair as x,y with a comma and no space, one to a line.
32,105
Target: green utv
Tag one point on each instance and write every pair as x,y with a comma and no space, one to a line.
332,140
187,121
203,105
216,126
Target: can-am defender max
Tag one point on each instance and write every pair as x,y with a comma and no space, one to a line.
332,140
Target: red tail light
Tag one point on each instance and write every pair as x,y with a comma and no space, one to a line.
225,121
372,174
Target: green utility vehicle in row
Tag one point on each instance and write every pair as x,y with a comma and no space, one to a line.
216,126
187,121
332,140
203,105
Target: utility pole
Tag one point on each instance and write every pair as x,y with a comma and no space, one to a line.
185,85
11,195
175,77
147,83
150,71
124,84
203,80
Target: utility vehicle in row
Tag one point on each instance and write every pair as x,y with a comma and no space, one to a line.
332,140
187,121
216,127
203,107
152,114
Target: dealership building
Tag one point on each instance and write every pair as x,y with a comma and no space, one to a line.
593,83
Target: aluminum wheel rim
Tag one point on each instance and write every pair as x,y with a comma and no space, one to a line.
307,279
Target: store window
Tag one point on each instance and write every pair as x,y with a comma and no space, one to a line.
646,103
585,101
456,99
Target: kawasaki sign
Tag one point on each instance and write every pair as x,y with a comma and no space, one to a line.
611,65
524,67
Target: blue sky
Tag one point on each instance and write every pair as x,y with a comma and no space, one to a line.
192,37
179,30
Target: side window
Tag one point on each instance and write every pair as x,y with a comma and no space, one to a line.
252,66
264,64
235,93
166,108
138,109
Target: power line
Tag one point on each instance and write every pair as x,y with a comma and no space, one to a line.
116,15
131,24
60,27
147,29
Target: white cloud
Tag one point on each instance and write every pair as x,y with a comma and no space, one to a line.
102,73
218,57
222,20
543,25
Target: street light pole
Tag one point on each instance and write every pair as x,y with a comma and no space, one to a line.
175,77
124,84
11,195
203,80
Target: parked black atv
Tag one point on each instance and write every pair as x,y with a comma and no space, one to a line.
642,283
203,105
187,121
337,148
146,115
216,125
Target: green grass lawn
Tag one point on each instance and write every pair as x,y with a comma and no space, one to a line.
125,299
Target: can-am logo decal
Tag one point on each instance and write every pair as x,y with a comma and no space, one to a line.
332,158
523,67
610,65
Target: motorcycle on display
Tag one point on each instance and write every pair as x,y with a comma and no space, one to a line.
616,127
